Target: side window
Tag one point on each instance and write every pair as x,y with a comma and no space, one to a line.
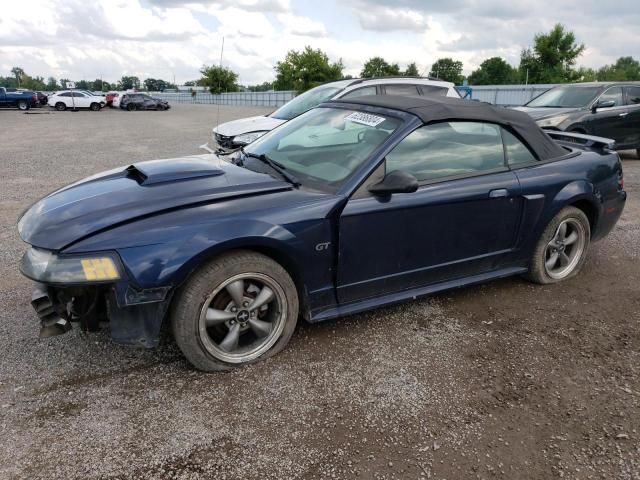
614,93
360,92
633,95
433,91
517,152
404,89
66,94
447,149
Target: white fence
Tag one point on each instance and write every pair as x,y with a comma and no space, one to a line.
259,99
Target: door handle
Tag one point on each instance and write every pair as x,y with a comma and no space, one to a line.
623,114
499,193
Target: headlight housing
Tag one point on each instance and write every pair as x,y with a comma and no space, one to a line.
552,121
47,267
247,138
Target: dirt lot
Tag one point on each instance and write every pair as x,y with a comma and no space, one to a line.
507,380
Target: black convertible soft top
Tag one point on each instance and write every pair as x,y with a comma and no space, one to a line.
439,109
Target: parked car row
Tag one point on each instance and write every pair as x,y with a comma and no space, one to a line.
79,99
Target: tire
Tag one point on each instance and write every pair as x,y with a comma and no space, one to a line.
543,269
94,107
22,105
638,153
61,107
204,315
132,107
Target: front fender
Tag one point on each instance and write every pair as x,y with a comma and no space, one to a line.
171,263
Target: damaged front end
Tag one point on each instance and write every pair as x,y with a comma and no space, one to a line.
90,291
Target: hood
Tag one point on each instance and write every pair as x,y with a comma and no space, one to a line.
139,190
246,125
538,113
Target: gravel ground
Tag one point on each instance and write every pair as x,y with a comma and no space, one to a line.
506,380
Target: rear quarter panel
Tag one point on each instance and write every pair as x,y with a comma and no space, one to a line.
587,178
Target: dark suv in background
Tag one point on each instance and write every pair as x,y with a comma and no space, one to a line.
610,110
141,101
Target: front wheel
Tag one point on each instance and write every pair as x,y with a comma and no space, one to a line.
562,248
22,105
237,309
95,107
131,107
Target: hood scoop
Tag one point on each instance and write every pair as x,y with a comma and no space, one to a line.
162,171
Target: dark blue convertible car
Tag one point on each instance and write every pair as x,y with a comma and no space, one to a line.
352,205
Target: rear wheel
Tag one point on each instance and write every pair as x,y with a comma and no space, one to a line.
239,308
61,107
562,248
131,107
22,105
95,107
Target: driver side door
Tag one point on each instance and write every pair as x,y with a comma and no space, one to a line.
462,220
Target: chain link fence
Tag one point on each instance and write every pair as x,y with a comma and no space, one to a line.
508,95
257,99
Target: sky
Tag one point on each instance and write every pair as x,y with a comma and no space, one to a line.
173,39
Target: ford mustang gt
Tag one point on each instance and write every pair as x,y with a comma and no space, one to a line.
352,205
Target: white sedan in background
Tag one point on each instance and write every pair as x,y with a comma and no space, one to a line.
75,99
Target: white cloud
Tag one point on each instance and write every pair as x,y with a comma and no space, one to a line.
162,38
297,25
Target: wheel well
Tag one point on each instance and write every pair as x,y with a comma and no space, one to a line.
577,130
275,255
292,270
589,210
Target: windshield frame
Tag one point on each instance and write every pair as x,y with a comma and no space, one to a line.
363,169
301,98
597,91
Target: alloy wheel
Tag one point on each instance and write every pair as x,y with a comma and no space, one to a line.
243,317
565,249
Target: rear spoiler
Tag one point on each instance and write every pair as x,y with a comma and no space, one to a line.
588,141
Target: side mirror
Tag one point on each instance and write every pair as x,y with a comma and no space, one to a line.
603,104
395,182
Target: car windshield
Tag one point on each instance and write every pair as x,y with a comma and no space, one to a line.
323,147
565,97
304,102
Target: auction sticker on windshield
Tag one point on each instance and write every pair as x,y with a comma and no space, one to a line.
365,119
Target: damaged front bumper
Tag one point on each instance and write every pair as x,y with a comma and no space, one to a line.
137,321
92,293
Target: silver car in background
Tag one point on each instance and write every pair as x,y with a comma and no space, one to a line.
233,135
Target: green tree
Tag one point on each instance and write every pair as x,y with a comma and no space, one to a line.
584,74
447,69
263,87
625,69
52,84
301,71
18,73
218,79
127,83
412,70
378,67
552,57
493,71
84,85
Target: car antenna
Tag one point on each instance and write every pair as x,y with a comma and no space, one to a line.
219,85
